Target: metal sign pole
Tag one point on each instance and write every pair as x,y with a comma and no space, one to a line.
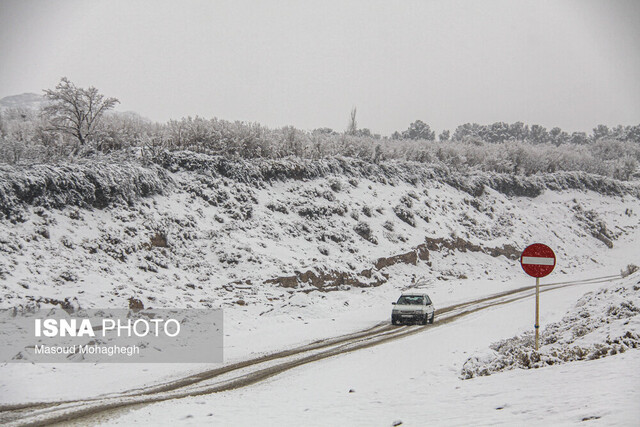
537,309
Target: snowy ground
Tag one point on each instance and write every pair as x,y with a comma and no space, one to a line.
416,380
305,318
215,258
179,250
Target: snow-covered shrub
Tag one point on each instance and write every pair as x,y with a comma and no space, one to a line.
413,195
334,236
406,200
313,211
328,195
602,323
90,184
405,214
363,230
335,185
277,207
592,223
43,231
629,270
240,212
388,225
259,171
232,257
422,214
68,276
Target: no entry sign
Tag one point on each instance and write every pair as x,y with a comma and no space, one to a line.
538,260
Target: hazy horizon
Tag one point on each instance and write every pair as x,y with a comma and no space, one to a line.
571,64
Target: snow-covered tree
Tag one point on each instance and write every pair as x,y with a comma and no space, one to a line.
600,131
352,127
76,111
419,130
538,134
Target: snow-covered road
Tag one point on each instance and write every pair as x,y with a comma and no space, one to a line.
416,380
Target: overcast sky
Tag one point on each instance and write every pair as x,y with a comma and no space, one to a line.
572,64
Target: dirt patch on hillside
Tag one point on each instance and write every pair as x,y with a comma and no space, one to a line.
328,280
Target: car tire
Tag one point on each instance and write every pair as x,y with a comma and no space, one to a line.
433,316
425,320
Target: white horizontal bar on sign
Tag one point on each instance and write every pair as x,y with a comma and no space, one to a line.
538,260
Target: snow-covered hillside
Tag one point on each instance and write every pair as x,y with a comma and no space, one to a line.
207,232
29,101
300,251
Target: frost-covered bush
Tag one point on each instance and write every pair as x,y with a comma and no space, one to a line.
336,185
363,230
103,182
500,147
423,215
334,236
232,258
407,201
313,211
592,223
89,184
413,195
473,181
405,214
277,207
328,196
629,270
239,212
601,324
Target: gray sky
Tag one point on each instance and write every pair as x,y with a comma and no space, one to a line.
572,64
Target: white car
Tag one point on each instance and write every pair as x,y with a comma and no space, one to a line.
413,307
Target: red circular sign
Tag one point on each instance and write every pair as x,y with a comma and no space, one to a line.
538,260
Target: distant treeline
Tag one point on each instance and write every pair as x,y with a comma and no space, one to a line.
26,136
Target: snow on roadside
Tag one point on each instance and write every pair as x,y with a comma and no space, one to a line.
300,319
602,323
415,380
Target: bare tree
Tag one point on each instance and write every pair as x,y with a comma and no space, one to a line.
76,111
352,128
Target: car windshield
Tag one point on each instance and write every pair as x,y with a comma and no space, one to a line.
411,300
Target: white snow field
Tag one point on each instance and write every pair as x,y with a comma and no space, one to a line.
182,249
417,381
